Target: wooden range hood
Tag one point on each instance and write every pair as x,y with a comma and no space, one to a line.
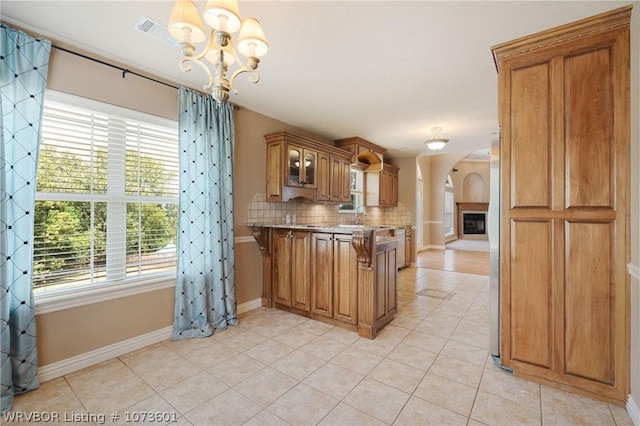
366,155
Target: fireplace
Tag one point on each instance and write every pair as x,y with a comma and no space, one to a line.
474,223
472,220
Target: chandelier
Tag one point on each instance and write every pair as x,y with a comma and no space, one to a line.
437,142
224,19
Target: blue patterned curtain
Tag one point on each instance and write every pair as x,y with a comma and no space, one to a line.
23,75
205,286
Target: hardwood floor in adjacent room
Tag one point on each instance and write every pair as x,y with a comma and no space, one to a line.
469,262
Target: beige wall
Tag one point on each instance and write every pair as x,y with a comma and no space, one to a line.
407,186
78,76
407,181
71,332
424,163
466,168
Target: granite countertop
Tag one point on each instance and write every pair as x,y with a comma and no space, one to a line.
333,228
337,229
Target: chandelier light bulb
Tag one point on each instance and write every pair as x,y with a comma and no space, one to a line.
251,40
185,24
222,15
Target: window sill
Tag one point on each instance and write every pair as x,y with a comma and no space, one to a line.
54,301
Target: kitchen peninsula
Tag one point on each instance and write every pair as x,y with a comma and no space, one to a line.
344,275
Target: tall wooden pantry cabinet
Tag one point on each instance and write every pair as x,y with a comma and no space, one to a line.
565,160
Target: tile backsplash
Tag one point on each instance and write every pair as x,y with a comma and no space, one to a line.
306,213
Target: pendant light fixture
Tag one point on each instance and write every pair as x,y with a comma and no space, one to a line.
437,141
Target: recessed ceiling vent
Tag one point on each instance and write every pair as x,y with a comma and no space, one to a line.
156,30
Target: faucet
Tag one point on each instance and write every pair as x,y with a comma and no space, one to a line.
355,212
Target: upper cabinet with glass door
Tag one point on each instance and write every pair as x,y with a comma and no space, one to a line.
302,173
293,169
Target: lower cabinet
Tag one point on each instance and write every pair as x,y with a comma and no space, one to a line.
409,247
345,280
321,274
386,301
348,280
291,276
334,277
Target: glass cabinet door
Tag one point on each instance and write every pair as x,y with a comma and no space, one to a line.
294,166
310,168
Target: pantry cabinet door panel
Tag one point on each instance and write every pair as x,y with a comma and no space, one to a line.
531,278
531,131
589,121
589,298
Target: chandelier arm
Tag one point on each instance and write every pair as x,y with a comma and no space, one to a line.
254,77
184,66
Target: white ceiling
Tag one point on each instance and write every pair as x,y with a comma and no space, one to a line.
386,71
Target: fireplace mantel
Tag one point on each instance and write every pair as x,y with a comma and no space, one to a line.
473,206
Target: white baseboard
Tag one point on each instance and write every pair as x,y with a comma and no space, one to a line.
241,240
87,359
249,306
436,247
634,411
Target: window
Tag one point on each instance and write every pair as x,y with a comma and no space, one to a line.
448,208
107,195
357,190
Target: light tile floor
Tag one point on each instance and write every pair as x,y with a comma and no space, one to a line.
429,366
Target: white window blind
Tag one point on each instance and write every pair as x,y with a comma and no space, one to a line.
107,195
357,190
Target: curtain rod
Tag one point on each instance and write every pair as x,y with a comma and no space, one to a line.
125,71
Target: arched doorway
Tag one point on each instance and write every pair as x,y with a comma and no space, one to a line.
466,198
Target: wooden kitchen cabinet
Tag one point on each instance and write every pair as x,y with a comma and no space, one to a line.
381,188
386,301
565,126
334,175
409,247
299,167
322,274
340,180
331,277
345,279
334,274
364,153
324,177
389,186
291,266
